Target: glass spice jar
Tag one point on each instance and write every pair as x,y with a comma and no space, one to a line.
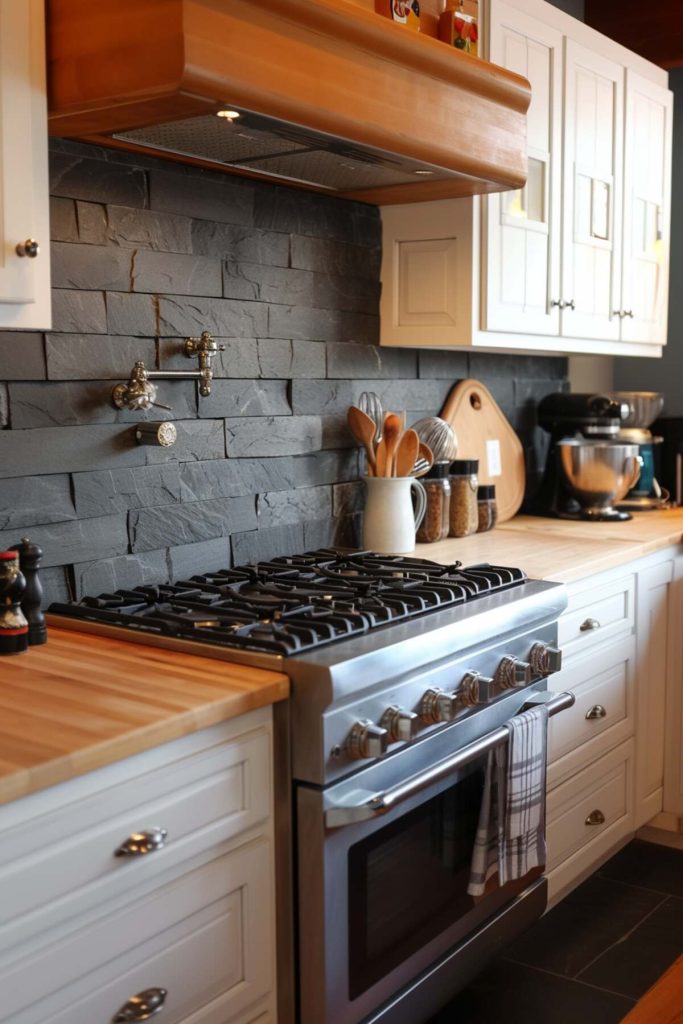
487,508
435,524
464,516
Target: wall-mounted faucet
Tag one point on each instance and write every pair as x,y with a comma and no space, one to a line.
139,393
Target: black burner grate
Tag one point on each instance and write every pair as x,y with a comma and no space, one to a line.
293,603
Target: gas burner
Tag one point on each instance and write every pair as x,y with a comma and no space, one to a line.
293,603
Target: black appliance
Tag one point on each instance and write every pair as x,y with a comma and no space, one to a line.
563,415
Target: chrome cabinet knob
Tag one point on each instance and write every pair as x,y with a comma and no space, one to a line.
595,818
475,689
570,305
512,672
28,248
597,711
544,659
438,706
142,1006
366,740
399,723
589,624
139,843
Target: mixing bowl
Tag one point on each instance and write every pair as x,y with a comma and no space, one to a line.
644,406
599,473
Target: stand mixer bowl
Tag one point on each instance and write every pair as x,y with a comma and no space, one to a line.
599,473
644,406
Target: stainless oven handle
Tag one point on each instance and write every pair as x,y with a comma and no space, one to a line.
363,805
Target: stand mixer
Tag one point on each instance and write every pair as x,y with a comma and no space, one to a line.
588,467
644,408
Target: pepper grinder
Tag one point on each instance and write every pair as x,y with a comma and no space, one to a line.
29,563
13,624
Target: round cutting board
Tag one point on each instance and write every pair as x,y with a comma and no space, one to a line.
484,433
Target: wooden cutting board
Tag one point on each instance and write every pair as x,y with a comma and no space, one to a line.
484,433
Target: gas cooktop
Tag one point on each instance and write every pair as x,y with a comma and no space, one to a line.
293,603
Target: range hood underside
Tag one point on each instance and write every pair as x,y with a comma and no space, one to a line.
331,96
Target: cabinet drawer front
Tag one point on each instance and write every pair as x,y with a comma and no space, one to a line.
596,614
601,791
204,936
200,801
602,715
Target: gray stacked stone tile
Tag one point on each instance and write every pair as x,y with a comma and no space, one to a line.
147,253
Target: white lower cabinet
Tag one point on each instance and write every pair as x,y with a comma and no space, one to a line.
613,758
190,923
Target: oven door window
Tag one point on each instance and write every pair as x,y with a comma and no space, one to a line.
408,881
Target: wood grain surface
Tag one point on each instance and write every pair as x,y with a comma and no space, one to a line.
476,419
80,702
663,1003
329,65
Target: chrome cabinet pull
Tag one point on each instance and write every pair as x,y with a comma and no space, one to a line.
142,1006
557,302
139,843
28,248
589,624
570,305
595,818
597,711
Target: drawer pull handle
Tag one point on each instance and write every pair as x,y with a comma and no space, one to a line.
589,624
597,711
142,1006
595,818
139,843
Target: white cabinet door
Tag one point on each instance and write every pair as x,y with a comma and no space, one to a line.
592,192
652,599
647,208
24,203
521,256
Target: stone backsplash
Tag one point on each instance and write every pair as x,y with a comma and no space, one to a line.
145,253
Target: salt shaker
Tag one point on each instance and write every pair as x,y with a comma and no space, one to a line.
13,623
29,563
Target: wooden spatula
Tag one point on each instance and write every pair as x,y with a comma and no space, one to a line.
363,429
392,435
406,453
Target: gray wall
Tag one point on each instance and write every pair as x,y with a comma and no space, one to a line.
146,253
666,374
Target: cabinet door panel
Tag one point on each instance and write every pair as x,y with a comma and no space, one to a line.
522,240
647,207
592,193
24,281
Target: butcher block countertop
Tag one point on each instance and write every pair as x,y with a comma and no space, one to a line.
561,549
80,701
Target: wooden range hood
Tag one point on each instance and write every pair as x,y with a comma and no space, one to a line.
332,96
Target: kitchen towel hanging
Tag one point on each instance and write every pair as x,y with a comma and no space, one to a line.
510,839
484,433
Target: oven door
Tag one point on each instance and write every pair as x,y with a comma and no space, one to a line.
383,896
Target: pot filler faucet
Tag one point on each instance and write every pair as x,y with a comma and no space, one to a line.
138,393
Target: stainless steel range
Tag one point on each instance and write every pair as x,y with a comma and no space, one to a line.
403,674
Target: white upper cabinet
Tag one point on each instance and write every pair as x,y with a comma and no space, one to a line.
24,202
647,205
576,261
521,244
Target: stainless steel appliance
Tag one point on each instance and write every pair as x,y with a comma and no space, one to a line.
403,674
644,408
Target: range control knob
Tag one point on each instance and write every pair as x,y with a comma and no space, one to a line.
545,659
475,689
438,706
512,672
366,740
399,723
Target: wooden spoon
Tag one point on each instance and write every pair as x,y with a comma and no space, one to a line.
406,453
363,429
425,452
391,437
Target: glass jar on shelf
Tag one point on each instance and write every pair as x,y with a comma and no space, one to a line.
435,524
464,514
487,509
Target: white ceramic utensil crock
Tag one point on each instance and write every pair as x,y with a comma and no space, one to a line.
389,522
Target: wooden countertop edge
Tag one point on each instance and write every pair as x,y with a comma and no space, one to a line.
24,781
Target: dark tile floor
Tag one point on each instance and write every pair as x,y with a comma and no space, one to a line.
592,956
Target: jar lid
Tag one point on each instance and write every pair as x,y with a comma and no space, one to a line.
465,466
439,471
486,492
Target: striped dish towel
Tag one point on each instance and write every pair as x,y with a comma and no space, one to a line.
510,838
